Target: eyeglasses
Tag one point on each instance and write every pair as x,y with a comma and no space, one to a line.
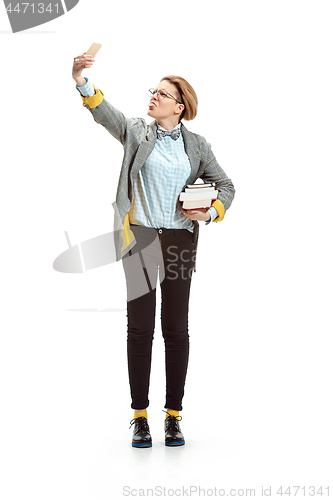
162,94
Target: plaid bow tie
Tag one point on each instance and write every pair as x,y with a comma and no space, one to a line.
174,134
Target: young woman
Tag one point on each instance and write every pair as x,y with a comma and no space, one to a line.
152,231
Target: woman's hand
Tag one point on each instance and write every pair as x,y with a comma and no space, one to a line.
80,63
197,214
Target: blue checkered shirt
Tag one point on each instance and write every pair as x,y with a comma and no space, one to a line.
159,182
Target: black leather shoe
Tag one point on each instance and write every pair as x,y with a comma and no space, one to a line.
173,434
141,435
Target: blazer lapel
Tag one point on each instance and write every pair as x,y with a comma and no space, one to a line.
193,152
145,148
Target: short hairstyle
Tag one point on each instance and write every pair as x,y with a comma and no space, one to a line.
187,96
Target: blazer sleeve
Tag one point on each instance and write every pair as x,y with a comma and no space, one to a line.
212,172
107,115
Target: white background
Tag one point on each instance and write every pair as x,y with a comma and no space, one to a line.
258,397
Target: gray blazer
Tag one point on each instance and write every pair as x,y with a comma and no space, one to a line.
138,140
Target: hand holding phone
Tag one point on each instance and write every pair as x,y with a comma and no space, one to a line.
84,61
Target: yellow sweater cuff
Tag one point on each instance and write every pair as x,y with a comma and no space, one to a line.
94,100
219,207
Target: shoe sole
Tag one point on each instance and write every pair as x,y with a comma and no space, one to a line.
175,443
144,445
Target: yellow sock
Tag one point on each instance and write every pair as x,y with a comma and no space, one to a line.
174,413
138,414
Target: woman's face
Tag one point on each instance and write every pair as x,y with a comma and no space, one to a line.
165,108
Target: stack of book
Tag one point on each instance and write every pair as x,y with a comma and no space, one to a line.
198,196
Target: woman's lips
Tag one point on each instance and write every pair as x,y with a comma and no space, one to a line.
151,104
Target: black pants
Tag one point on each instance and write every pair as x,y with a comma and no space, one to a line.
172,252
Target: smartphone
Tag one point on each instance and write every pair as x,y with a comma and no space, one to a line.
93,49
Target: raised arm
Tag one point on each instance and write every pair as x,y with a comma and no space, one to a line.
103,112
